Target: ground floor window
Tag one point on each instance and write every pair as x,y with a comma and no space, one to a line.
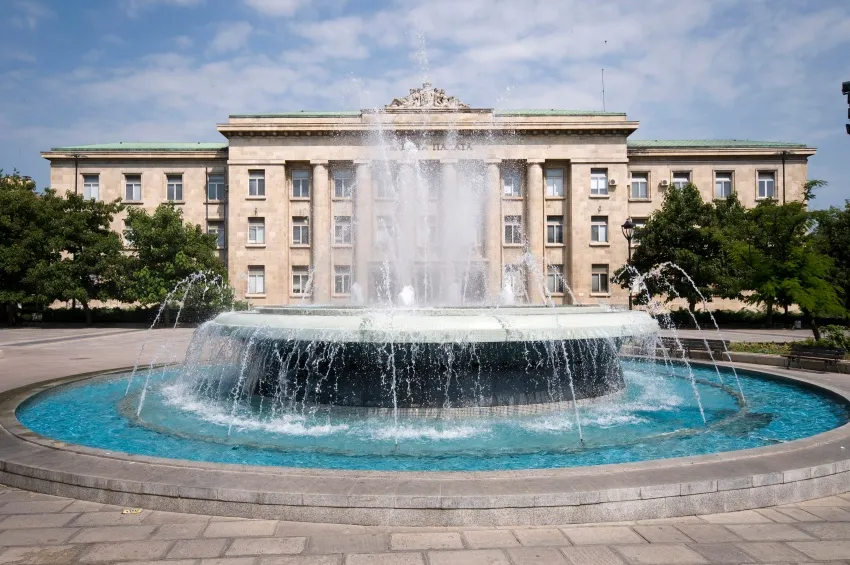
555,278
256,280
300,280
342,279
599,279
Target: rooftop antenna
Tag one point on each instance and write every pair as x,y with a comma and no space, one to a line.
603,90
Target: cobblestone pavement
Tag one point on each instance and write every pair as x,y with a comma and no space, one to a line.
41,529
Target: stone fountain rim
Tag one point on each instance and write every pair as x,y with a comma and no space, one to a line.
799,470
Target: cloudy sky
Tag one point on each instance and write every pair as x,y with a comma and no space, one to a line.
96,71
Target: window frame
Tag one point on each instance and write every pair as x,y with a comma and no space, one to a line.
686,174
553,222
759,173
347,191
174,188
515,174
302,225
731,184
307,179
516,229
256,183
555,272
595,223
219,232
258,227
343,222
645,182
128,183
597,173
221,190
88,185
256,273
598,274
303,288
342,273
546,177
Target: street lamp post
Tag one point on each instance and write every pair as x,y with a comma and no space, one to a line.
629,232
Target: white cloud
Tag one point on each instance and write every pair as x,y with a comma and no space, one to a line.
231,37
275,7
184,41
28,13
134,7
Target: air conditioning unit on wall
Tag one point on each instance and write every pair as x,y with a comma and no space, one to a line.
612,183
665,183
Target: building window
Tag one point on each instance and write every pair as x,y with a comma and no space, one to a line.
300,230
174,188
640,186
386,231
300,280
599,182
554,182
91,187
599,229
599,279
512,182
383,180
767,184
343,183
342,230
256,183
133,188
722,185
257,230
217,229
555,278
681,179
342,279
300,183
257,280
215,188
554,229
639,224
513,230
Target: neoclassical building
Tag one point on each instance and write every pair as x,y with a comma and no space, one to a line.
304,203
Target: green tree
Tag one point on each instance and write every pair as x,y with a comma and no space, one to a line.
27,237
685,232
775,256
92,262
832,238
166,252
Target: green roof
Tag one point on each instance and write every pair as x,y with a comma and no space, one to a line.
708,143
302,114
554,112
148,146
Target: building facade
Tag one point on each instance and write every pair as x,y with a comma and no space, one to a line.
301,207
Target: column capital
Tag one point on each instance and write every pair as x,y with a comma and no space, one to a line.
535,161
319,162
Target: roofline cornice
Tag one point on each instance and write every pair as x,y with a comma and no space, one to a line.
775,152
113,154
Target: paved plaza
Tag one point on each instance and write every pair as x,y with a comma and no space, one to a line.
37,528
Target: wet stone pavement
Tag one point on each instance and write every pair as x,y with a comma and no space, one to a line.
42,529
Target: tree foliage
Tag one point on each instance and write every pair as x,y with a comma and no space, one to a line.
832,238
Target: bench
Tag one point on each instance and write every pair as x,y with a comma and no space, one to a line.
829,355
717,347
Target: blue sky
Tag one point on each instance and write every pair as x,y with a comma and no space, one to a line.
96,71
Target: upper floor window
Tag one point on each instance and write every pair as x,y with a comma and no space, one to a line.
133,188
512,182
256,183
639,224
767,184
513,230
343,183
301,183
599,229
91,187
554,182
215,188
342,230
174,188
681,179
640,186
257,230
554,229
599,182
722,185
300,231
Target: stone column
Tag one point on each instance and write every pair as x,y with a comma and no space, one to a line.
534,224
448,194
362,223
493,228
320,232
